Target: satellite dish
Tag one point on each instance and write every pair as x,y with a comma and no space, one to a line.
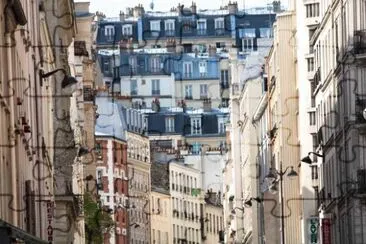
364,113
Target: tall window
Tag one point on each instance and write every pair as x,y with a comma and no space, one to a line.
196,126
221,124
155,27
188,92
169,124
155,87
187,69
132,60
109,32
201,27
127,30
203,91
224,79
219,23
203,68
133,87
169,27
248,44
155,64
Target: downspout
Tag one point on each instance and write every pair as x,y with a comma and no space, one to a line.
38,144
13,160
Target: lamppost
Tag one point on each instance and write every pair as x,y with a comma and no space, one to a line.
273,177
67,81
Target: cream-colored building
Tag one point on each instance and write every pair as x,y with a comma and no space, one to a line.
283,117
160,216
214,218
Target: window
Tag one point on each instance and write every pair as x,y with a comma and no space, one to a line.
265,32
310,64
109,32
155,64
201,27
155,87
203,68
314,172
196,148
196,126
133,88
99,175
155,27
312,118
203,91
169,27
247,32
221,124
187,69
219,23
247,44
127,30
312,10
188,92
169,124
224,79
106,65
132,61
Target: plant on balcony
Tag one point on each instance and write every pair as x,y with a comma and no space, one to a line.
97,220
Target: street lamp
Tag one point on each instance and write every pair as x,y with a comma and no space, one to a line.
67,81
234,212
307,158
135,224
275,176
249,201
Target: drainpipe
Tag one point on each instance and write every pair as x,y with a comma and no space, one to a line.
13,161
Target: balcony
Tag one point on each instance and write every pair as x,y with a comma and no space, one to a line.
219,32
201,32
360,42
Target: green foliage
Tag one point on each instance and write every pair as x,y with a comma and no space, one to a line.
97,221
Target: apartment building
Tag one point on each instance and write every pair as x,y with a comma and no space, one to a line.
283,119
337,48
138,159
161,216
214,218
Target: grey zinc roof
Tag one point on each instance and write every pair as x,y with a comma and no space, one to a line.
111,120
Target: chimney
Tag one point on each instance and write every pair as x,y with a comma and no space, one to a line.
276,6
82,6
211,51
233,7
180,10
194,8
121,16
207,105
138,11
171,45
129,12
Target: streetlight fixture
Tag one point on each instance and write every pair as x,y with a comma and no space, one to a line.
135,224
249,201
234,212
308,160
274,177
67,81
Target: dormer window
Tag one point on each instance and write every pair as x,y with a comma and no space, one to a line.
169,124
169,27
109,32
155,27
127,30
196,126
201,27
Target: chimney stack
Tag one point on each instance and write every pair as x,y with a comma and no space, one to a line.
121,16
194,8
180,10
212,51
276,6
233,7
207,105
138,11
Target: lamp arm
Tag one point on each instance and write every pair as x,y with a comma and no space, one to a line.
52,72
317,154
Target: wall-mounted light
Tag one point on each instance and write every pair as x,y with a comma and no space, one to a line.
308,160
67,81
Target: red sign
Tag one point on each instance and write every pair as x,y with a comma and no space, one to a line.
326,231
